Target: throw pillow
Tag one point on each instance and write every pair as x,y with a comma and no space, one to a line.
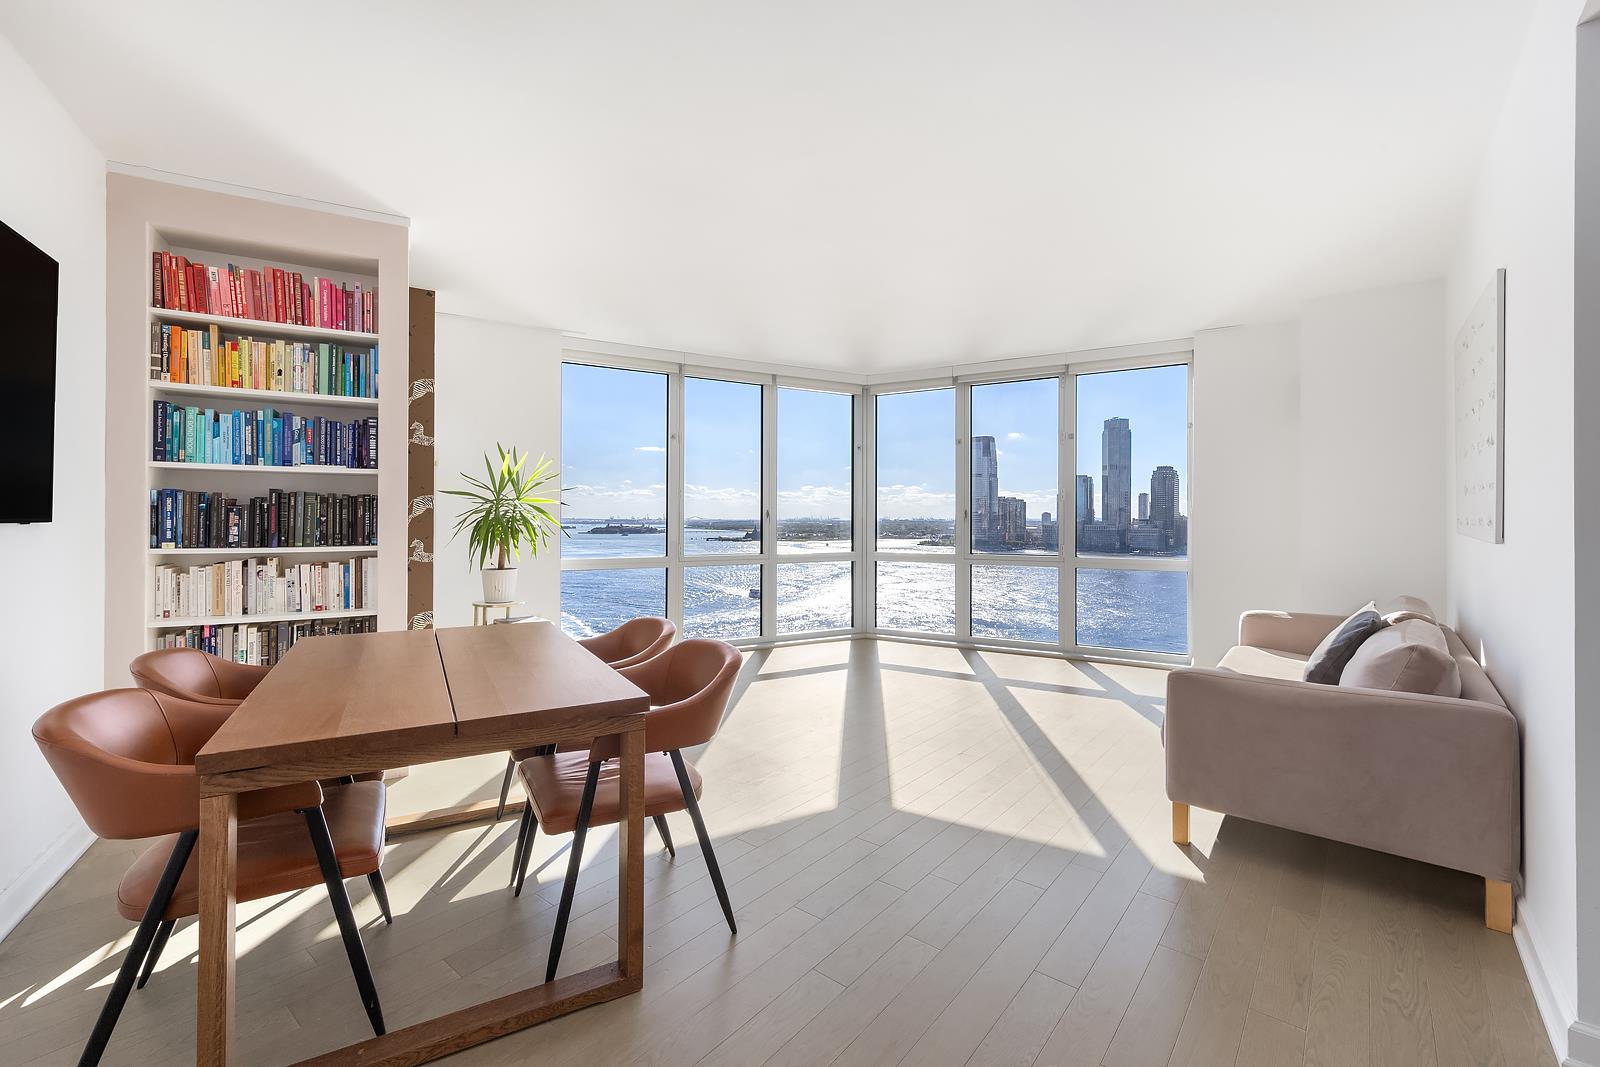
1329,658
1409,657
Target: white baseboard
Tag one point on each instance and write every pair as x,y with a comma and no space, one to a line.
18,898
1557,1015
1583,1045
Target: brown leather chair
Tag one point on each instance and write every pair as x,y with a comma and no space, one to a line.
689,686
126,758
634,642
195,675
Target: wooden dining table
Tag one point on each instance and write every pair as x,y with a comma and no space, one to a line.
354,703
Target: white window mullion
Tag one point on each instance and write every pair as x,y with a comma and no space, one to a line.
864,521
674,498
963,539
1067,532
769,508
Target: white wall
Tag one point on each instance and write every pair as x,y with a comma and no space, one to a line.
1317,459
1514,602
52,573
1245,528
1585,1036
494,382
1372,470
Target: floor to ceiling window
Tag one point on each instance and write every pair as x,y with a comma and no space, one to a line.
1131,581
671,481
614,485
749,506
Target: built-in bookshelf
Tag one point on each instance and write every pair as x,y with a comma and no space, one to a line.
263,516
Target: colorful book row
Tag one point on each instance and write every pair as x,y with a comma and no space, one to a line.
260,438
259,643
211,357
262,586
271,294
181,518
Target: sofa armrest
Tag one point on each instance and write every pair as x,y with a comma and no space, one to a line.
1299,632
1433,778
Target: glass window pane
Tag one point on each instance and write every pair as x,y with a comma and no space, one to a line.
1016,603
721,467
917,596
1143,611
593,602
814,596
1133,462
722,601
916,471
816,451
1015,454
614,461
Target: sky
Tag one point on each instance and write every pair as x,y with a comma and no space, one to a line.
614,442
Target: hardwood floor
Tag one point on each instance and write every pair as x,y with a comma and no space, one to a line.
935,856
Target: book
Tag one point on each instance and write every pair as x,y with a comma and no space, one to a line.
268,293
265,437
259,643
217,357
261,585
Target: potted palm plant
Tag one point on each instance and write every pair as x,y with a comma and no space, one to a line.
504,513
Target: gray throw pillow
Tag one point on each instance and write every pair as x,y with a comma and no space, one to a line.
1328,659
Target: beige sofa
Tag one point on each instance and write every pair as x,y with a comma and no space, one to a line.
1433,778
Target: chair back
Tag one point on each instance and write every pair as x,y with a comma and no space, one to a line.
195,675
633,642
125,757
689,685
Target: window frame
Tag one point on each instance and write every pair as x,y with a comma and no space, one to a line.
767,560
864,554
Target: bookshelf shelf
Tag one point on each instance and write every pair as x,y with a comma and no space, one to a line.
272,396
339,551
262,327
273,616
245,468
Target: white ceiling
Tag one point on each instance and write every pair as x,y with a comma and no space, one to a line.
865,185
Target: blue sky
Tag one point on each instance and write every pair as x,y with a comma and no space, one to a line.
614,432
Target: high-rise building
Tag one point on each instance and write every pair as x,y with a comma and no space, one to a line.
1049,532
1013,520
985,491
1144,507
1085,512
1164,498
1116,473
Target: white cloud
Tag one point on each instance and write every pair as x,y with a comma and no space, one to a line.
1015,435
648,448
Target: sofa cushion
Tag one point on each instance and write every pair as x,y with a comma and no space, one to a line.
1264,663
1402,608
1412,656
1327,660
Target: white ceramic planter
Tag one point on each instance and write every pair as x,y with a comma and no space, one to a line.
499,585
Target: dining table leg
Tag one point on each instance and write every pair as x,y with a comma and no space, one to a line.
630,857
214,1026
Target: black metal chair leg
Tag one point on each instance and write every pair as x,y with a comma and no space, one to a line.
322,842
666,835
505,786
531,832
585,809
705,839
163,932
381,893
522,843
137,952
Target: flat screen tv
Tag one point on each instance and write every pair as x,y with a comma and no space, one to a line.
29,285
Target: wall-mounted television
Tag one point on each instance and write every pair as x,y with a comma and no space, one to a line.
29,289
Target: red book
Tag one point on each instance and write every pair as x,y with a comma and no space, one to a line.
323,286
297,301
197,287
278,295
156,288
349,309
258,300
183,285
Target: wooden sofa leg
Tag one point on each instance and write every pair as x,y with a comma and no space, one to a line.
1180,823
1498,906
